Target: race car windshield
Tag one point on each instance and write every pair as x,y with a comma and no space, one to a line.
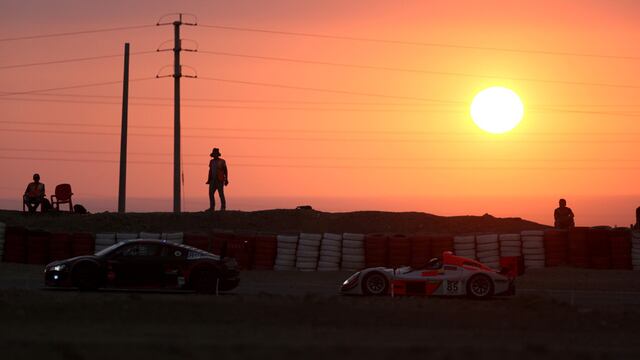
433,264
109,249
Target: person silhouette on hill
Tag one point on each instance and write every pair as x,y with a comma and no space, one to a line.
217,180
34,194
563,216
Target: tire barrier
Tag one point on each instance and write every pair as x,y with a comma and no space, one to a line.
308,251
635,249
104,240
197,241
82,244
264,252
420,250
330,252
176,237
220,240
599,248
352,252
439,244
60,246
510,245
3,227
286,253
376,250
578,247
556,245
620,242
126,236
488,250
465,245
533,248
399,250
149,235
38,247
15,244
240,247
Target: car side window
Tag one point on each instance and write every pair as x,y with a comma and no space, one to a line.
140,250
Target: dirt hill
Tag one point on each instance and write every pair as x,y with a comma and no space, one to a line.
276,221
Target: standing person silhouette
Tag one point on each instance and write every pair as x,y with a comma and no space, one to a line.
34,194
563,216
217,180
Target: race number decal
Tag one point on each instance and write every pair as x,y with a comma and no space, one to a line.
452,287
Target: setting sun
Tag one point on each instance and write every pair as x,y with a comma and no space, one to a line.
497,110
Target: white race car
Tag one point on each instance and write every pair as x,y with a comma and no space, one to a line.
448,275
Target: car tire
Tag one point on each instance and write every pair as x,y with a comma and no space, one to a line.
480,286
375,284
204,281
85,276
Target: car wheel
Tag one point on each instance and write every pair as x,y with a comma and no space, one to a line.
375,284
204,281
480,287
84,276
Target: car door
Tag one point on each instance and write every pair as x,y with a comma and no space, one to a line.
137,265
174,261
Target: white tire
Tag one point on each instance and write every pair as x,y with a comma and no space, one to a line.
307,254
509,237
471,254
486,254
538,244
467,239
307,248
285,263
331,248
331,242
537,251
289,246
149,235
458,247
353,258
535,257
532,233
488,246
126,236
512,243
311,236
526,239
489,259
309,242
286,252
486,239
286,257
352,236
330,259
356,244
327,253
172,236
332,236
105,242
510,253
287,239
353,251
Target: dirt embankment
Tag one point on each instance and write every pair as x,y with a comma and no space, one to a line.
276,221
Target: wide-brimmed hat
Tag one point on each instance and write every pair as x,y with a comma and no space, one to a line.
215,152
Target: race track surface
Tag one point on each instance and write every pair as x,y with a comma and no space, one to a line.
558,314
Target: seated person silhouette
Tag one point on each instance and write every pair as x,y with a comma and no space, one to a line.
34,194
563,216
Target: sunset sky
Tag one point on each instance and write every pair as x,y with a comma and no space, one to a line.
340,122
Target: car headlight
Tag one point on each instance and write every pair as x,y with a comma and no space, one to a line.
59,267
352,278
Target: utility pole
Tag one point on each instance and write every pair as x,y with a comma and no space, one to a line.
122,186
177,74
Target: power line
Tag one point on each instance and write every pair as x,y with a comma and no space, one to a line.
289,157
345,167
72,60
71,33
417,71
417,43
34,91
331,139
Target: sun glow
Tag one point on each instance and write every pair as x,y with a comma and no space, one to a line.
497,110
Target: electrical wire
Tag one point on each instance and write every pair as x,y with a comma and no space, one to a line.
71,33
416,71
72,60
417,43
34,91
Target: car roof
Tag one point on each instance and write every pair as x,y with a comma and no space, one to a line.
166,242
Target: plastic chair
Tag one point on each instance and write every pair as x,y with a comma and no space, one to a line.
62,196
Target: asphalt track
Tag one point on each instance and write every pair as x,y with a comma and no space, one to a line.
578,287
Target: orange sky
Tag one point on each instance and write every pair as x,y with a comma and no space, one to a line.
337,151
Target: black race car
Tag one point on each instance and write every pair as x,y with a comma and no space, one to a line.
146,264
